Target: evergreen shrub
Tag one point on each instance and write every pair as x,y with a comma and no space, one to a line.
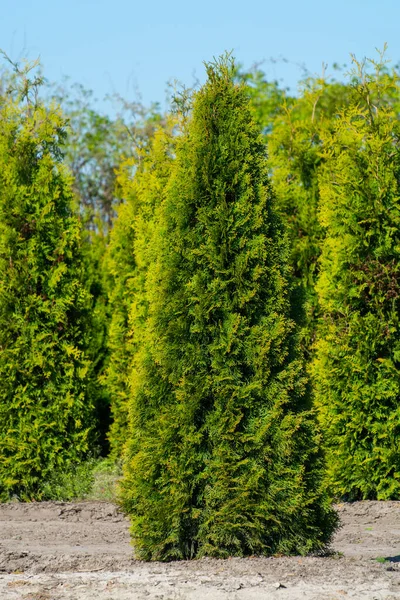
46,415
222,456
357,364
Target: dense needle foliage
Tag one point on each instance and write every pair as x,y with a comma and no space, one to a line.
45,413
222,456
296,157
141,183
357,366
168,332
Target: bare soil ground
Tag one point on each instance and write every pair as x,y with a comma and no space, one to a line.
81,551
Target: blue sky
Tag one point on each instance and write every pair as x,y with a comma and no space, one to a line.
123,46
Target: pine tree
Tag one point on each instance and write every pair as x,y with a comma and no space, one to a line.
222,457
357,365
46,415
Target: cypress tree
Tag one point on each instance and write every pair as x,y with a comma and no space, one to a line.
296,146
45,412
357,365
222,456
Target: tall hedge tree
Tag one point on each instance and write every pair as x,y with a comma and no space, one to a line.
119,265
46,416
296,146
95,147
296,152
141,184
222,457
357,365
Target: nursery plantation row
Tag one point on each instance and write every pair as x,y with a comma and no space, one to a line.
207,296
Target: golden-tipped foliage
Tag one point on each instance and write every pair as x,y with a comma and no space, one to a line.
45,413
357,365
222,457
141,183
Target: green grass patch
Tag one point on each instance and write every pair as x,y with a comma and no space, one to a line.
95,479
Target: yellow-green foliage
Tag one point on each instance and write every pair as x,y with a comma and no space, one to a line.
357,365
296,154
45,413
119,265
141,185
222,456
93,256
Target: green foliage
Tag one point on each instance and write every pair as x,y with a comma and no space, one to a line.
106,475
46,414
125,268
222,457
296,156
94,479
119,267
357,364
266,97
93,255
72,482
382,560
96,145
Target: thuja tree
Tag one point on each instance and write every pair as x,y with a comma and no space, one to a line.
141,183
297,155
94,149
45,412
357,366
296,152
119,265
222,456
93,250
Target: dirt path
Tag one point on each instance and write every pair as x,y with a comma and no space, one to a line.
81,551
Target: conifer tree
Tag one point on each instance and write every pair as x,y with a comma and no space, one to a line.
357,365
296,155
46,415
94,149
119,265
140,183
94,244
266,97
222,456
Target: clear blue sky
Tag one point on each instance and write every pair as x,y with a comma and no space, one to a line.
120,45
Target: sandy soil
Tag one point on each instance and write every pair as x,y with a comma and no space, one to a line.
81,551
